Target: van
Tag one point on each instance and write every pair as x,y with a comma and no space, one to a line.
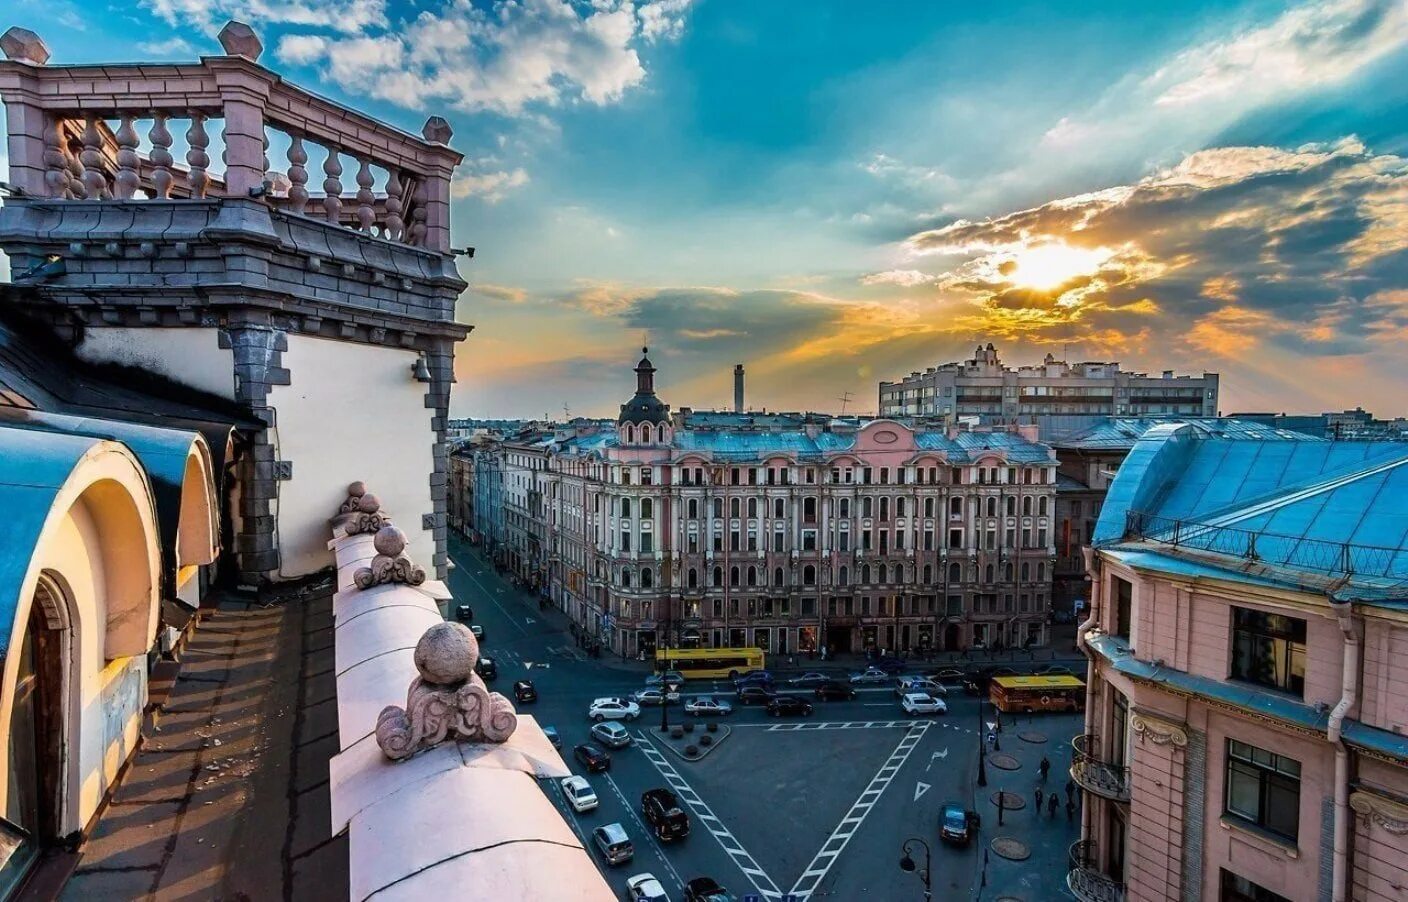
613,843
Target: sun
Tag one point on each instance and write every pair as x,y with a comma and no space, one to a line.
1045,266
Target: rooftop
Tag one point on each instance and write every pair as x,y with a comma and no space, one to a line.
1122,433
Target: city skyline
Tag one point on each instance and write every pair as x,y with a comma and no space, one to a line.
842,198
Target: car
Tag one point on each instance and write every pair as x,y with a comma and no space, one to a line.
477,630
661,809
753,678
613,844
870,675
591,757
613,709
705,889
784,705
698,706
834,690
553,736
671,677
889,663
464,613
755,695
487,669
809,679
579,793
918,684
645,888
1053,670
956,823
655,697
611,734
916,703
524,691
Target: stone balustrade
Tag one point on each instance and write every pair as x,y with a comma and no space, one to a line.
148,132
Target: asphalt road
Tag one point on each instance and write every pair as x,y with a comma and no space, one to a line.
816,807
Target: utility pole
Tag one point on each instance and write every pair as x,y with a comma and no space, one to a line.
844,399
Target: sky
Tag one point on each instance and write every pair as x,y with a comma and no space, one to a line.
835,193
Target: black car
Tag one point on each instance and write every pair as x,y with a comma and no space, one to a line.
788,705
956,823
593,758
661,809
487,669
834,691
889,663
755,695
705,889
464,613
524,691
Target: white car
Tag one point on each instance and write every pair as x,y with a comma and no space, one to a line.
916,703
579,793
699,706
907,684
613,709
645,888
871,675
611,734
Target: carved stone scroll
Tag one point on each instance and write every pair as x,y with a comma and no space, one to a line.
390,564
447,700
1157,730
1386,813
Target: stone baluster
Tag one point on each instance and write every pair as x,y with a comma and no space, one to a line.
332,187
418,214
297,175
366,211
196,158
160,157
55,163
75,174
394,225
126,181
95,184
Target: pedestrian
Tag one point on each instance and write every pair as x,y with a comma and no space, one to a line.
1051,804
1045,767
1038,798
1070,790
1070,811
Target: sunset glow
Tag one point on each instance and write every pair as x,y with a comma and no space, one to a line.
1048,266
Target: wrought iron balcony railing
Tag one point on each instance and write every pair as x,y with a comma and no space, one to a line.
1109,781
1086,881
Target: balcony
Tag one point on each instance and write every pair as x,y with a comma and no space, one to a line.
1085,879
1109,781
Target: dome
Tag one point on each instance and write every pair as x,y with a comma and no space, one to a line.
644,407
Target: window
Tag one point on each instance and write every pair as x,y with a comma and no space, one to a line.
1240,889
694,508
647,542
752,576
1263,789
809,510
647,509
752,507
733,576
693,577
734,508
809,540
844,508
1124,601
625,507
843,577
809,575
647,578
1268,649
777,576
777,508
718,576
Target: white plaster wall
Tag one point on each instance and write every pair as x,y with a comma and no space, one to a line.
191,356
351,412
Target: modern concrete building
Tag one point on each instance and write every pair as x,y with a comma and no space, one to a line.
1055,395
789,538
1248,691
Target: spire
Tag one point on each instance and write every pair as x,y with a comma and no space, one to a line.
645,374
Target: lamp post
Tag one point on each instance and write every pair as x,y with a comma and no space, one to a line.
982,747
908,864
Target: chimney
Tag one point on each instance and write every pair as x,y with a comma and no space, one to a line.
738,388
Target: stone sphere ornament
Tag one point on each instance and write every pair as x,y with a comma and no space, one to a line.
446,654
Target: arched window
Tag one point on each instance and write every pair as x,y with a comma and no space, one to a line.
693,579
733,576
647,509
630,433
625,507
625,578
928,574
992,507
899,507
843,577
898,578
777,576
718,576
988,574
865,575
647,578
845,507
752,576
1040,572
734,507
718,508
645,434
928,507
694,508
884,509
1007,572
1041,506
1011,506
865,506
752,507
955,573
955,506
1027,506
1026,571
778,508
809,575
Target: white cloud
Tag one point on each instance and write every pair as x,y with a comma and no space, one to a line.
346,16
904,278
172,46
663,19
491,186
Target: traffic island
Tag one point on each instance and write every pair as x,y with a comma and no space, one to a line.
691,741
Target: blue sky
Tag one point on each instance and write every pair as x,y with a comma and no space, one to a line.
837,192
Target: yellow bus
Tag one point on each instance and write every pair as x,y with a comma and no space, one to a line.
1037,693
707,663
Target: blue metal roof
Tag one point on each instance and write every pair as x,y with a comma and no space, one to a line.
1303,513
1122,433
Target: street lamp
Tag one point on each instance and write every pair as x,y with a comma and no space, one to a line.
982,747
908,865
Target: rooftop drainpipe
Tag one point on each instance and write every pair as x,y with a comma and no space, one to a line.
1348,682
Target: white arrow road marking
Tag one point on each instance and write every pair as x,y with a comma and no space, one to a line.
992,725
943,754
529,620
920,788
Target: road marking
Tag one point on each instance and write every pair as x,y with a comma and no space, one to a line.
920,787
654,843
529,620
835,844
876,704
934,757
511,619
830,725
730,844
570,815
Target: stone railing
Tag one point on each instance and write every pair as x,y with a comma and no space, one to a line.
1092,774
438,780
1086,881
147,132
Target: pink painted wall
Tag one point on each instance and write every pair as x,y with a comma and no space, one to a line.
1385,686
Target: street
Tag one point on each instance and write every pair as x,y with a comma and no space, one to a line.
816,807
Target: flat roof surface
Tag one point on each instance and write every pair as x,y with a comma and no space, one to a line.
1055,681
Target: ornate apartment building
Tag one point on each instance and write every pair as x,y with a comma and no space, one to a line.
838,535
1248,697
